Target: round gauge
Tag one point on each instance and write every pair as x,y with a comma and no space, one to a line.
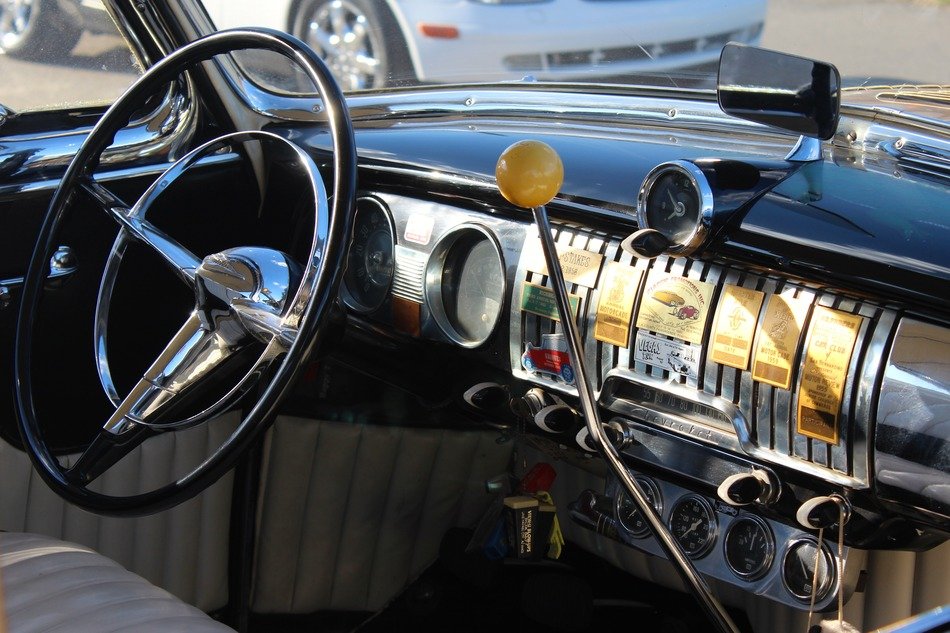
465,285
749,547
799,569
676,200
370,262
693,524
629,516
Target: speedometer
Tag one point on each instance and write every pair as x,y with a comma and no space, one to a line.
693,524
370,263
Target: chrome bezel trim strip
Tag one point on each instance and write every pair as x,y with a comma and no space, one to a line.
703,191
153,170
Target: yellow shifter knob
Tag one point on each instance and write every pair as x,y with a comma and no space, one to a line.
529,174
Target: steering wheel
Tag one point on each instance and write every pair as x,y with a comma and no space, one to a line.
246,298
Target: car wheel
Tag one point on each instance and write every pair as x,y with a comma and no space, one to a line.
36,29
359,40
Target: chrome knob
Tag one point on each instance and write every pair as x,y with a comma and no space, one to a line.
744,489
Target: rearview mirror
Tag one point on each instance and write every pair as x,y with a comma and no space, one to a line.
785,91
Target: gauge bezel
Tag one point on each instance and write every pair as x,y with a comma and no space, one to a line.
713,524
706,203
645,482
347,295
824,590
769,556
435,272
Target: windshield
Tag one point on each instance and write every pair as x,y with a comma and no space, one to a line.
374,44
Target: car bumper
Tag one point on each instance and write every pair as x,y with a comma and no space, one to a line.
574,39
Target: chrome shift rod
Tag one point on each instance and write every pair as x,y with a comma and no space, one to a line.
529,174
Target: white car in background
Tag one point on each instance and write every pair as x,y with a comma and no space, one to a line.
490,40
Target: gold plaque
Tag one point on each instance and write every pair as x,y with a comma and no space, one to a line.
735,326
831,337
675,306
776,348
579,266
614,308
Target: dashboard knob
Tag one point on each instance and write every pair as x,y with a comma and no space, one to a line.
744,489
487,396
616,434
557,418
823,512
529,174
646,244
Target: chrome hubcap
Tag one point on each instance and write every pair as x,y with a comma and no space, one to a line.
349,44
14,20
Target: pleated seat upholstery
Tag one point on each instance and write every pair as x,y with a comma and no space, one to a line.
52,586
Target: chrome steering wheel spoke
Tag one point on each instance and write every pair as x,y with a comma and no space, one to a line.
132,220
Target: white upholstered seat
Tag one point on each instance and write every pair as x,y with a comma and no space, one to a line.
54,586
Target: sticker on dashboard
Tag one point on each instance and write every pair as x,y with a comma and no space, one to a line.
675,306
540,300
777,344
673,356
831,338
735,325
579,266
419,228
615,306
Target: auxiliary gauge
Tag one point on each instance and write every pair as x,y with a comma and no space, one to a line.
749,547
676,200
629,516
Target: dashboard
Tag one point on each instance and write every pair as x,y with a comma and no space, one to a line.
744,377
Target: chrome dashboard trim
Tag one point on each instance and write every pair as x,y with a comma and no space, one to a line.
153,170
163,133
911,418
702,429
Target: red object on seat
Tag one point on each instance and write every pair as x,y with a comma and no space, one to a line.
540,477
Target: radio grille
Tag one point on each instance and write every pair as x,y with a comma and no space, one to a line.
769,412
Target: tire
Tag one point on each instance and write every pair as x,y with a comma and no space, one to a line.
377,38
37,29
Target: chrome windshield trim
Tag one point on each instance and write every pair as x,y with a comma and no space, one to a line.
160,134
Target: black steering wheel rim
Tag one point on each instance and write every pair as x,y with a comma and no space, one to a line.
342,201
